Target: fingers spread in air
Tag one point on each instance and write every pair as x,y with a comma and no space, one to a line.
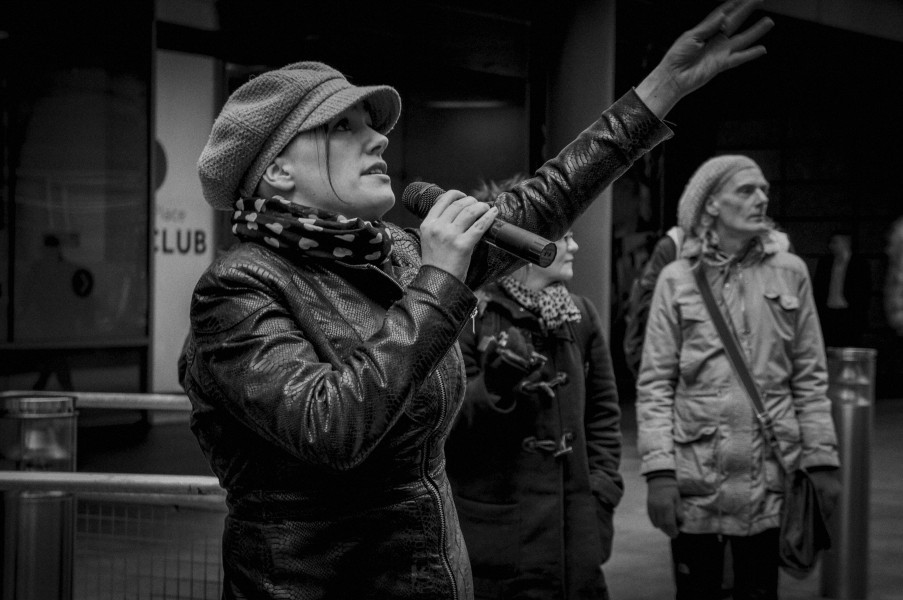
736,13
714,22
727,19
743,39
739,55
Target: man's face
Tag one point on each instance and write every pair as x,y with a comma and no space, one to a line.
740,205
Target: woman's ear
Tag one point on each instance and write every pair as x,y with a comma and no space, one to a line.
711,206
278,178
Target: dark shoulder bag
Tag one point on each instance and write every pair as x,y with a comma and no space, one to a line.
804,533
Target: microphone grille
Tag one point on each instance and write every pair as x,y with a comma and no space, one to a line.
420,196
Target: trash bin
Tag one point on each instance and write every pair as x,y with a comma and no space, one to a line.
851,387
37,433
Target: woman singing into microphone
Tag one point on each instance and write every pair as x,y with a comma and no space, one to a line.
322,365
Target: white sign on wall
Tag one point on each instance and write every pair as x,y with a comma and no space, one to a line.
183,221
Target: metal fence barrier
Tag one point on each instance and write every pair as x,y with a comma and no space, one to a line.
120,535
115,400
37,433
138,536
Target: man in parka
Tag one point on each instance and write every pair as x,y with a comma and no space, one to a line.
712,478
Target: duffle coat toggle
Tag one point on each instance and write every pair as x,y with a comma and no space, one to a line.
547,387
556,449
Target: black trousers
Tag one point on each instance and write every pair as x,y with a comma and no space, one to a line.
699,565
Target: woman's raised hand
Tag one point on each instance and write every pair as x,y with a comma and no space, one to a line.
697,56
451,229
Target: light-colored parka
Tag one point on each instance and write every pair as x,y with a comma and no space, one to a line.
693,415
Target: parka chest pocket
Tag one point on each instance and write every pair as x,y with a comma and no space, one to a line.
784,309
697,331
692,312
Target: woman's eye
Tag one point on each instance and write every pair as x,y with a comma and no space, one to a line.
342,125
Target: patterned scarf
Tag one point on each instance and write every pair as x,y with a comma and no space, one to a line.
311,232
552,305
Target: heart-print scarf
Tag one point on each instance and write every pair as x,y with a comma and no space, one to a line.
311,232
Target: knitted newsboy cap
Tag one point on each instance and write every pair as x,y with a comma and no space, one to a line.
262,116
707,180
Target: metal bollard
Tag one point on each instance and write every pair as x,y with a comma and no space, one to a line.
37,433
851,387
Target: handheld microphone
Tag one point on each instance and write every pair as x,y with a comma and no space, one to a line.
420,196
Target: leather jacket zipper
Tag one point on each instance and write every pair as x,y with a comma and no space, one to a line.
461,327
433,487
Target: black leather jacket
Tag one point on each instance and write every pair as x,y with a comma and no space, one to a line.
322,394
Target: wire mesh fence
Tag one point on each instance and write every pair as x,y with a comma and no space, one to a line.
128,547
100,536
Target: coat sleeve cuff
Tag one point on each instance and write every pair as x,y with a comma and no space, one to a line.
819,459
642,130
441,305
660,474
657,463
452,298
605,489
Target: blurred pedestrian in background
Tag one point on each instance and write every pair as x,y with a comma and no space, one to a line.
666,250
893,287
842,286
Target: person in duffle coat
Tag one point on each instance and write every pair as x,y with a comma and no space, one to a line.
533,458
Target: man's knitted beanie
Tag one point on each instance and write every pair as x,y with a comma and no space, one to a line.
262,116
707,180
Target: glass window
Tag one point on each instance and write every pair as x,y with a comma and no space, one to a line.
75,208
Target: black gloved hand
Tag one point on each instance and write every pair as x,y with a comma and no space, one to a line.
509,361
663,503
828,487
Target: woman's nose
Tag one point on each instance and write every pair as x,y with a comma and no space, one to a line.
378,142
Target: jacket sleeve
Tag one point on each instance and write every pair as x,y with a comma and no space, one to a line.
602,417
664,252
657,381
562,188
257,359
809,383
